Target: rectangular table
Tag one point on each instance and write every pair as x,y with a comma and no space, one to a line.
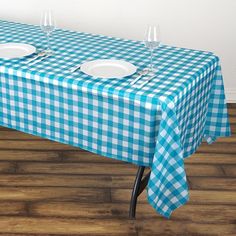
157,126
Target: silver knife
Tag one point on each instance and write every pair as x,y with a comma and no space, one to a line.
41,59
77,67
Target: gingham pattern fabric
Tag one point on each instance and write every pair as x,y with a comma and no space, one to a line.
156,126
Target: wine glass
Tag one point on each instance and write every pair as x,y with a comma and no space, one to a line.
48,25
152,41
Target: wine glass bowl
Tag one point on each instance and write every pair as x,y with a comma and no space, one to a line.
47,25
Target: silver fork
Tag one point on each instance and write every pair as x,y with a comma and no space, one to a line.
40,54
141,74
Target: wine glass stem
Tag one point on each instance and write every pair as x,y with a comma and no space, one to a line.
48,42
151,59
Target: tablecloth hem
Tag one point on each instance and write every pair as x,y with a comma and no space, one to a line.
166,214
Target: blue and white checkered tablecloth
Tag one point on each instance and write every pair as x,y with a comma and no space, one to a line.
156,126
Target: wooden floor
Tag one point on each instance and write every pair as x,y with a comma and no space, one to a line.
52,189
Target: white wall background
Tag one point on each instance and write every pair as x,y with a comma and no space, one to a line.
201,24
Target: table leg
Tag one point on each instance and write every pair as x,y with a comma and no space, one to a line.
140,184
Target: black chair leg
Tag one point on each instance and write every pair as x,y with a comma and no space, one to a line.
137,189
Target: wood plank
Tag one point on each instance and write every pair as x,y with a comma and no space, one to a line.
196,196
34,145
54,193
16,234
229,148
212,197
211,158
7,167
22,155
211,183
232,119
230,170
231,112
76,209
12,208
195,213
84,181
87,157
203,170
122,181
16,135
66,226
231,109
89,181
106,169
123,196
77,168
2,128
153,227
231,139
206,213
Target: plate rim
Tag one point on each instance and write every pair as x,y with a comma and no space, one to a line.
34,49
110,77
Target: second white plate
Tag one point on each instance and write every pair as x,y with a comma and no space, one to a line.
109,69
16,50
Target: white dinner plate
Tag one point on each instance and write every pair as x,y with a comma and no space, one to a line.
109,69
16,50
